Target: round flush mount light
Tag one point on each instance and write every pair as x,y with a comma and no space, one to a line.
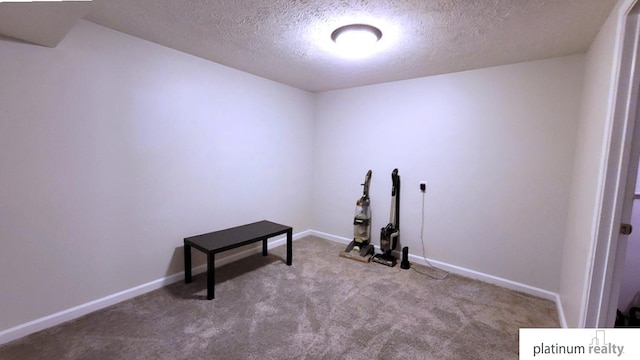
356,40
356,33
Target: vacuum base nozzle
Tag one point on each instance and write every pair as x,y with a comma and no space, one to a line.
354,255
384,259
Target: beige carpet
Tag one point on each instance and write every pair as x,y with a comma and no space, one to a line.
322,307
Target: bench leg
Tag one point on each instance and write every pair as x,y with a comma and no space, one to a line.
187,263
211,275
264,247
289,247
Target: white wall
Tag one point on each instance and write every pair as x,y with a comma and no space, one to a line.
494,145
588,169
113,149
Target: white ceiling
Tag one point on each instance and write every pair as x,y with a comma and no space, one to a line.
289,40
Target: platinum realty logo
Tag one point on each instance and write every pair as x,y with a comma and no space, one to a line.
597,346
579,344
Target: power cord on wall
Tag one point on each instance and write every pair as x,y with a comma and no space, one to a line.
444,273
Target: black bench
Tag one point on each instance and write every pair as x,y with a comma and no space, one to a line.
223,240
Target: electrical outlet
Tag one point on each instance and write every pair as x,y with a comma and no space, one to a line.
423,186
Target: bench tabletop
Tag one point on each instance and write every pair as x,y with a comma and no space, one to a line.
232,237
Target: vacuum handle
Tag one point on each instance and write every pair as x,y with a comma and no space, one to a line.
395,180
367,180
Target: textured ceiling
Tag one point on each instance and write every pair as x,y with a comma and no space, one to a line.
289,40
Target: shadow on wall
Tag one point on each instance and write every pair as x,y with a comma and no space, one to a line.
635,302
198,258
176,264
630,317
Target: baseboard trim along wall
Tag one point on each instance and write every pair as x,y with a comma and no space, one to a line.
508,284
83,309
58,318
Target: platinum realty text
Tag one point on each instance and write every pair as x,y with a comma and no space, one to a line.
608,348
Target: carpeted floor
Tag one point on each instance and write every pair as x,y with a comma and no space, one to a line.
322,307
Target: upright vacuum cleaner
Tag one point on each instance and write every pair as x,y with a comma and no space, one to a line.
390,234
360,249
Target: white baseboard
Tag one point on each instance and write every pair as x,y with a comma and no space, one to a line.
83,309
561,316
505,283
331,237
86,308
58,318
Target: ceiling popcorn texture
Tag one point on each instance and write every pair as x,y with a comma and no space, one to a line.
289,40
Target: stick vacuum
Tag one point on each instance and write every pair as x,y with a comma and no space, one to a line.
390,234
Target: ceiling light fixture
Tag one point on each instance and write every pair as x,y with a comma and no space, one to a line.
356,40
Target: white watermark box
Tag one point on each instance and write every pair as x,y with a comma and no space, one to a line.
601,344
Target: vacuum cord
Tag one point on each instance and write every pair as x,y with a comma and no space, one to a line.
446,273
